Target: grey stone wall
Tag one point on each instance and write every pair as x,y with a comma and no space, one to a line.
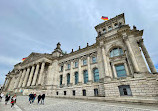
143,85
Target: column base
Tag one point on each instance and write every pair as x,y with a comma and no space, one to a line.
107,79
101,80
79,83
89,82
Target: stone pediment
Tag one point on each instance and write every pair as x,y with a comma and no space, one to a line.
32,57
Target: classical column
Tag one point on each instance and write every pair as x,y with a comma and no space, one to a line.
113,25
41,73
105,63
30,77
71,73
136,68
89,70
147,57
7,84
126,68
64,75
35,76
22,78
109,66
79,71
18,80
114,70
4,84
129,61
26,77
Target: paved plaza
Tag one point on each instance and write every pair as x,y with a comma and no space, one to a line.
58,104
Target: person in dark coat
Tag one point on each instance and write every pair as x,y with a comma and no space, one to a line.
7,98
34,97
43,97
39,98
31,96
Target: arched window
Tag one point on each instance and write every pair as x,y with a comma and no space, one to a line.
99,33
116,25
120,23
76,77
96,75
104,30
85,74
109,28
116,52
68,78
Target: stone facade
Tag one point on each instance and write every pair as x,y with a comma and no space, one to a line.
113,67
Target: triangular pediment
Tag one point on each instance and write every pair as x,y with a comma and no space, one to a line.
32,57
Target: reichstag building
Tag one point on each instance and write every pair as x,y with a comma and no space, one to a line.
116,67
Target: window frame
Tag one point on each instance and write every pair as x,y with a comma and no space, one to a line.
120,70
68,79
76,78
84,92
93,59
109,28
115,52
85,76
61,80
76,64
61,68
68,66
84,62
128,90
95,75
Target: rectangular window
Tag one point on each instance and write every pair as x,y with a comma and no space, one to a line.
94,59
85,74
64,92
68,66
57,93
120,69
84,92
61,68
84,62
125,90
68,79
76,64
61,79
76,77
73,92
95,92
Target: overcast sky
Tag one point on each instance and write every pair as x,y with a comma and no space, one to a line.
37,25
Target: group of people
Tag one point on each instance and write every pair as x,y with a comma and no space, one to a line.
32,97
7,98
40,97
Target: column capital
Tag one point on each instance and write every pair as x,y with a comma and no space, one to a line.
125,37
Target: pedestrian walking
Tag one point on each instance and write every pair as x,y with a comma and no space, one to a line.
43,97
13,100
34,97
7,98
39,98
15,97
1,96
30,98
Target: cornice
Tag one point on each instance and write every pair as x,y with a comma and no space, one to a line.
78,51
136,33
